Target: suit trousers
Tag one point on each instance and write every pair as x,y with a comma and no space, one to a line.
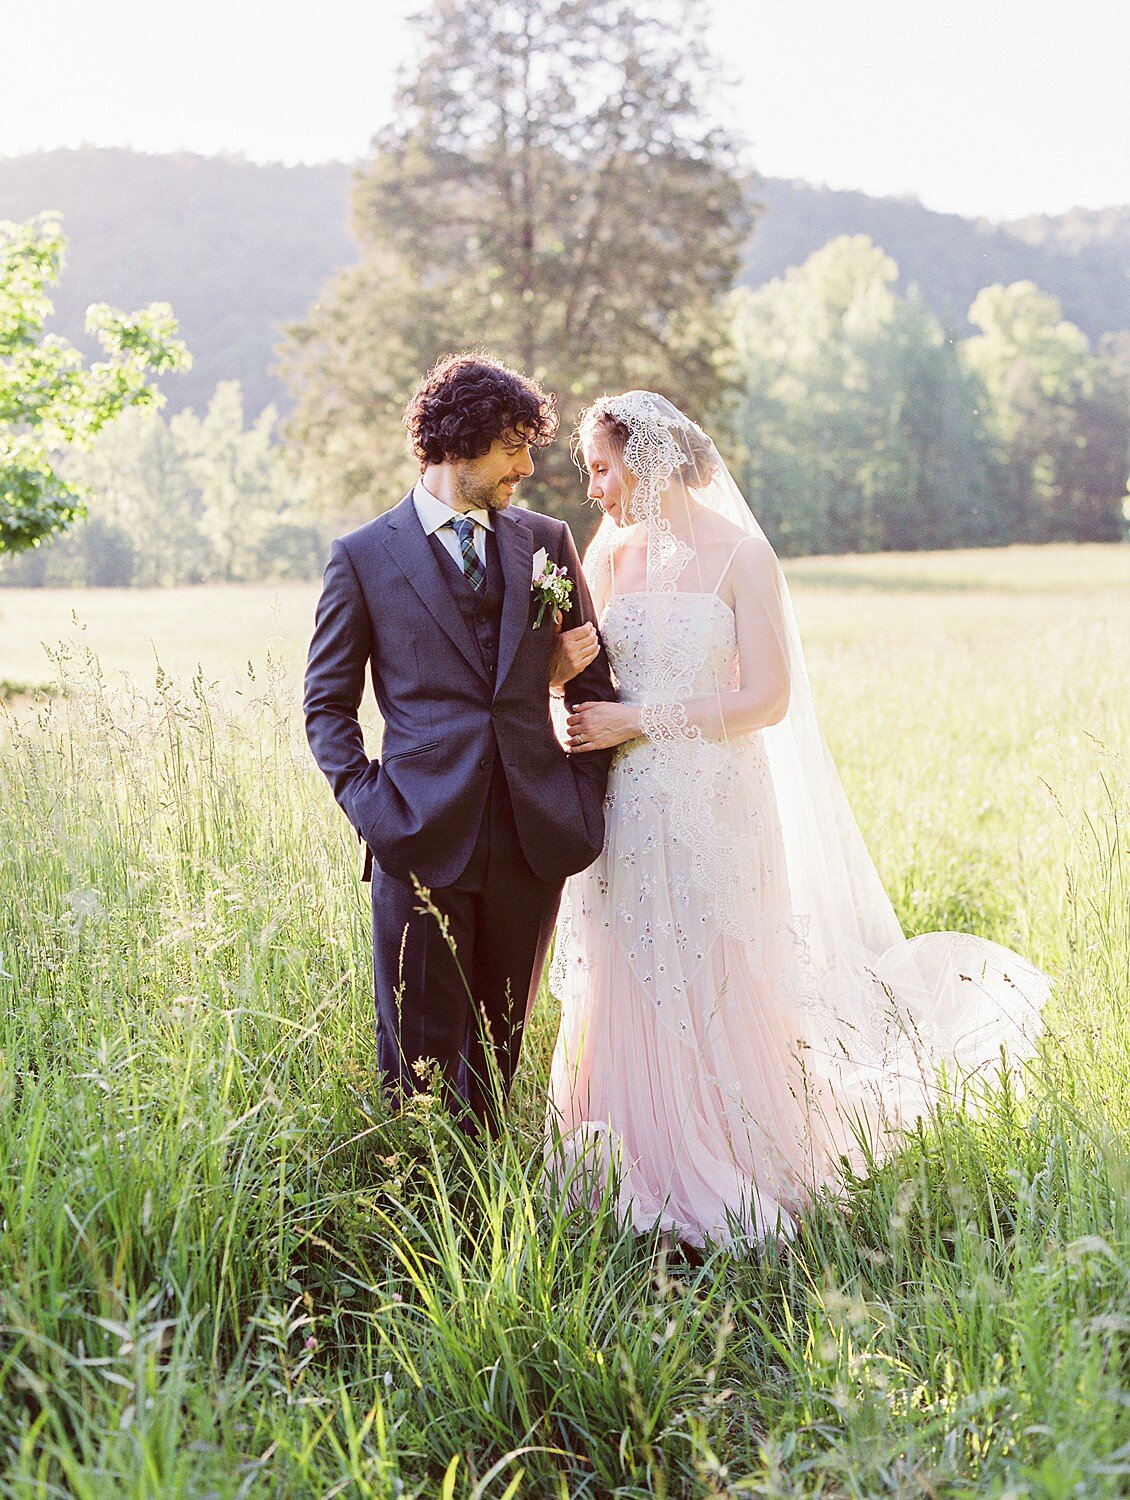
467,1009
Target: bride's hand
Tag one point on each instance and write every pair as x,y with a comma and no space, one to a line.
600,726
572,652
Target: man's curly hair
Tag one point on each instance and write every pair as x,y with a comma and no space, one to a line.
466,401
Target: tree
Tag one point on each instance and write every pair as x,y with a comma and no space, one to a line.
198,499
238,477
1059,417
48,401
856,426
139,496
935,485
550,192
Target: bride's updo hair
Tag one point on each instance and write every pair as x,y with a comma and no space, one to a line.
700,457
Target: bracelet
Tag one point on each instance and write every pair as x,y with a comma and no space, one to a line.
667,722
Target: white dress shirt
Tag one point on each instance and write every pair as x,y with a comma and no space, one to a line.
434,515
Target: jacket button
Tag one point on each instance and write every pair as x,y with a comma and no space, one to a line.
484,763
495,711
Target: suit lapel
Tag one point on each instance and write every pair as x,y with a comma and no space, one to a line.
413,555
516,553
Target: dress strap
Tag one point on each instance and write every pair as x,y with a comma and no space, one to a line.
729,560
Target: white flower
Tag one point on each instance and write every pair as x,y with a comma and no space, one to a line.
551,587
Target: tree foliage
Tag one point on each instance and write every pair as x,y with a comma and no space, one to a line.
550,191
49,401
262,240
863,425
197,499
1059,418
855,426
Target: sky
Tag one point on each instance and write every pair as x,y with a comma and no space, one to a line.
997,108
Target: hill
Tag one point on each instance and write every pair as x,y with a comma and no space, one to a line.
240,249
1081,257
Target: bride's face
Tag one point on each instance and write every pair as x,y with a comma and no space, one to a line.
611,482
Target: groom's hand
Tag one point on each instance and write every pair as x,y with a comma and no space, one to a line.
572,652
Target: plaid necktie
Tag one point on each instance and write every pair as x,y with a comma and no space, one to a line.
473,570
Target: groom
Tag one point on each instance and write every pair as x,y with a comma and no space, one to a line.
473,796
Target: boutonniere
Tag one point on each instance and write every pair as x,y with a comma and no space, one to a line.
552,586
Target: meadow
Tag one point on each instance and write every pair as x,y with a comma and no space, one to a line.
225,1271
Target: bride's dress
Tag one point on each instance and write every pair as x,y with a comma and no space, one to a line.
702,1054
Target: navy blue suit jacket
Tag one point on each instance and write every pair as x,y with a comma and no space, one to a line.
387,608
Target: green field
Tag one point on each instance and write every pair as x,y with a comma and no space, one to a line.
225,1272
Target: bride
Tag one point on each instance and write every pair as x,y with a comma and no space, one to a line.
740,1008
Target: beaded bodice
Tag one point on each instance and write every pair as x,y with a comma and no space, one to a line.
668,647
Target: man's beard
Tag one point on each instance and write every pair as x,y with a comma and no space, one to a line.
475,494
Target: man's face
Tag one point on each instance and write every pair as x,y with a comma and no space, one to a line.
491,480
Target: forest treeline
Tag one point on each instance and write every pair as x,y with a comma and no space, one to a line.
181,500
242,248
854,422
553,188
860,424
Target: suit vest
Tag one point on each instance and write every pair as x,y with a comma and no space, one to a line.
482,612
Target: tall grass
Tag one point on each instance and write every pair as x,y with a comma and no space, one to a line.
224,1270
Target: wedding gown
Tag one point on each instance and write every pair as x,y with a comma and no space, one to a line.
696,1060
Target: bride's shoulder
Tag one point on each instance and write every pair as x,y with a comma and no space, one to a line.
597,555
752,550
754,556
597,566
714,532
753,571
606,549
741,548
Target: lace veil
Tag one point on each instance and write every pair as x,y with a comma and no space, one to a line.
878,1011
